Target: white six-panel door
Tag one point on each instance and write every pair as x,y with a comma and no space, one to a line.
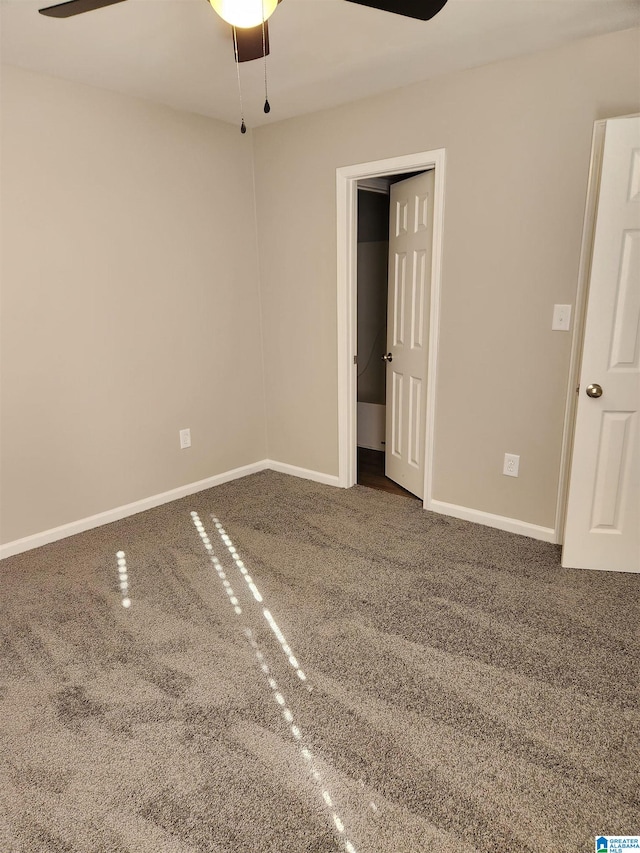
410,251
602,528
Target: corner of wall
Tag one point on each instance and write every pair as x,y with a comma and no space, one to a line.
263,364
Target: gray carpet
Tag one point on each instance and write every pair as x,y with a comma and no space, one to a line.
417,683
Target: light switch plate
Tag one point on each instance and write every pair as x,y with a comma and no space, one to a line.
561,318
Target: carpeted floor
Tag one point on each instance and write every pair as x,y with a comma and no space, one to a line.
408,683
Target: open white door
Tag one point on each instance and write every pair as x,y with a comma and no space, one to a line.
410,251
602,528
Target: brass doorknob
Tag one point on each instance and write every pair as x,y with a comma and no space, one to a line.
387,357
594,390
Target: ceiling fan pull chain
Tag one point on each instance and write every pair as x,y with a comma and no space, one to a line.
267,105
243,126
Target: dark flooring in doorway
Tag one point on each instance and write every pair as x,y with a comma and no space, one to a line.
371,473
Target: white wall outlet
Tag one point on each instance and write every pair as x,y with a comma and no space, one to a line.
511,465
185,438
561,318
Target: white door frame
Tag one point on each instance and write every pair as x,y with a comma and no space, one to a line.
579,322
347,178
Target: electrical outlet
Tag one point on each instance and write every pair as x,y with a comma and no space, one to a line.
561,318
185,438
511,465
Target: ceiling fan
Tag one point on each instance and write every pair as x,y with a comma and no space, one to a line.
249,17
249,24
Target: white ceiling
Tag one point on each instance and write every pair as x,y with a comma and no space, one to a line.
323,52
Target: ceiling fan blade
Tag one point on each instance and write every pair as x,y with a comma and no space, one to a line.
249,42
75,7
422,10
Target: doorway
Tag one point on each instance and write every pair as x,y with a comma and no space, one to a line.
372,285
348,179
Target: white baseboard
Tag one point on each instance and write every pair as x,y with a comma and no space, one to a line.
18,546
501,522
303,473
83,524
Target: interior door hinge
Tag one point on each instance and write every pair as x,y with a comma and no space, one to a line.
355,359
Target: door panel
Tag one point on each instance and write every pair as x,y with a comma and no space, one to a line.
418,294
399,290
611,468
410,250
603,510
397,411
401,217
626,324
415,425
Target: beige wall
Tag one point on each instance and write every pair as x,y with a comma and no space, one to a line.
517,136
130,300
130,303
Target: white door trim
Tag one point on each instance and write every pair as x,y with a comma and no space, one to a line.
579,321
347,178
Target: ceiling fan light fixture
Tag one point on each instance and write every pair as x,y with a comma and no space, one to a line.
244,13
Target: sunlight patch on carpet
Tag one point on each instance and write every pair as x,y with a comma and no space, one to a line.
278,696
123,579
